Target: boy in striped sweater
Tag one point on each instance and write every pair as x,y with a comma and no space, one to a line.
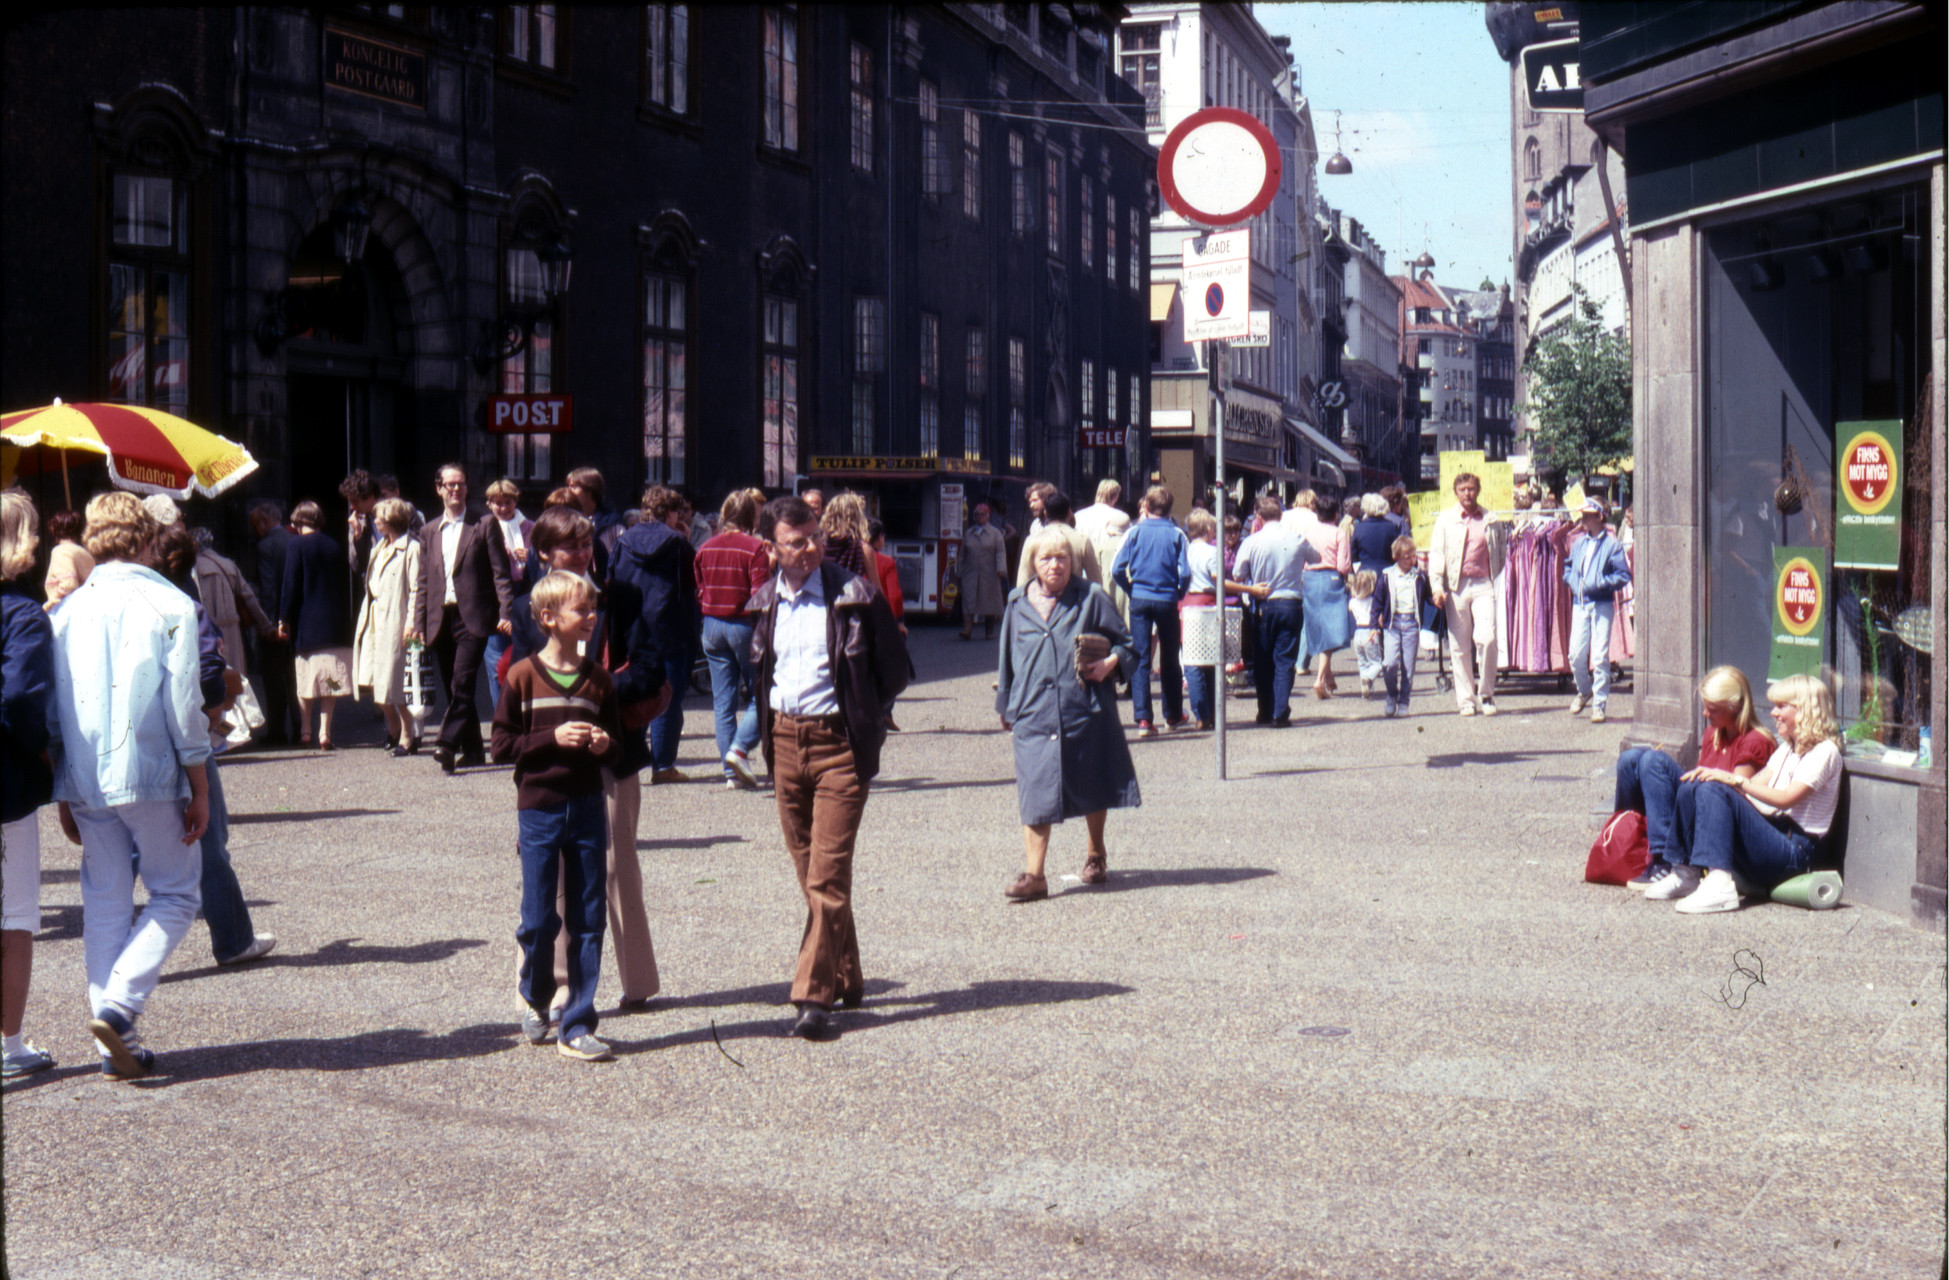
558,723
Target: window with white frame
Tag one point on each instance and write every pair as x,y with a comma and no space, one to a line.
1018,402
1109,237
666,57
665,345
1018,185
780,429
869,360
1052,194
782,77
861,71
930,385
149,291
530,34
933,160
976,393
1135,283
1132,450
526,456
971,163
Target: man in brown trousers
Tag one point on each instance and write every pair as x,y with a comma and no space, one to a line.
830,661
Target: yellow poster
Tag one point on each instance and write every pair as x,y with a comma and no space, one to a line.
1422,510
1456,461
1498,486
1573,497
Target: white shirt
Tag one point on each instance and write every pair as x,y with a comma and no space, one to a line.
1204,567
801,680
1820,769
450,529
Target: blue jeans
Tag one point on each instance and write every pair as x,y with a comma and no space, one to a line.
570,842
497,644
1590,646
666,731
1273,658
1647,780
1729,834
727,648
1162,617
223,898
1199,681
124,961
1400,646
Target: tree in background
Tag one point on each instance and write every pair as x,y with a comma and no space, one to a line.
1579,405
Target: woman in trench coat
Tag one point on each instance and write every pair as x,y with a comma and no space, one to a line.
379,652
1071,759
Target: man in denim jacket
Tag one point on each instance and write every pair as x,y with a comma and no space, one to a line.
1594,570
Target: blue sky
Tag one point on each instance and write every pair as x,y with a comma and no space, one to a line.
1424,116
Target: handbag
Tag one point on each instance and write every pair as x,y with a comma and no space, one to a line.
1620,853
1090,648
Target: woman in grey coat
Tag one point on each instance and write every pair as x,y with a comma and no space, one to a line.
1071,759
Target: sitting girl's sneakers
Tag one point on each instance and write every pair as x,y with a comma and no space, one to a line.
1679,883
1717,892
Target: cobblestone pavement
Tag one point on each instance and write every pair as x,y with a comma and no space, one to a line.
1352,1014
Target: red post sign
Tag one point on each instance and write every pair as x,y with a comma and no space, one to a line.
539,413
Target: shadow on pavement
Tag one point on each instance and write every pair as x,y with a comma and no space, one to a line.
1168,878
1455,759
977,997
935,784
59,924
346,951
346,1053
691,842
304,815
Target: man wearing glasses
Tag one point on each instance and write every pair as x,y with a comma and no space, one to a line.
463,596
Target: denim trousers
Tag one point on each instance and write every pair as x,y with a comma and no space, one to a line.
1198,683
497,644
727,648
1400,645
224,911
1156,621
125,960
666,731
1728,834
1274,655
1647,780
1590,647
570,843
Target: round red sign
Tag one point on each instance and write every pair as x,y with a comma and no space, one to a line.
1219,167
1799,596
1868,471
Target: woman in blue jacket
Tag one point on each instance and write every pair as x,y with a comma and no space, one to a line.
27,780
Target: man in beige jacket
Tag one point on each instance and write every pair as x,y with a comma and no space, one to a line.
1465,556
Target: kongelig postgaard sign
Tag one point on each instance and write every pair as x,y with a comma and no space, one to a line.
1868,478
374,69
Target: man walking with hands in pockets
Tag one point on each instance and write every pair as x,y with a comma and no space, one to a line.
830,662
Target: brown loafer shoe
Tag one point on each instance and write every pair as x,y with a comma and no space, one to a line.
1096,869
1026,888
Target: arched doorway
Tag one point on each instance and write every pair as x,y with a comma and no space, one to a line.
345,394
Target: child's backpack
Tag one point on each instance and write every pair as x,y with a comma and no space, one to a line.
1619,853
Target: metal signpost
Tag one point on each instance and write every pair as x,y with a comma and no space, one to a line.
1218,168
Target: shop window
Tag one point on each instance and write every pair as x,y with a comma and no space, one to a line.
1018,185
533,34
149,291
666,57
782,77
1815,320
780,429
860,70
930,385
666,344
971,163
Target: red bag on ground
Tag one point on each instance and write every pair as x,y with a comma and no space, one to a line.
1620,852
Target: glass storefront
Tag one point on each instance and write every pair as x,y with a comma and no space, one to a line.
1816,318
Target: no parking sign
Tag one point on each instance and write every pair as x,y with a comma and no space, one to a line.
1217,286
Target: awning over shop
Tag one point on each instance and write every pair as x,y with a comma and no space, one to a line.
1160,302
1326,446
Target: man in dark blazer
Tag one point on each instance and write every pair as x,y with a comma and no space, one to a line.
273,655
464,595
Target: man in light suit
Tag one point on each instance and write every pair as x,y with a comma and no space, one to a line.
464,595
1465,556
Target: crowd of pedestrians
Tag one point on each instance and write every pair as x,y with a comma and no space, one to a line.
124,683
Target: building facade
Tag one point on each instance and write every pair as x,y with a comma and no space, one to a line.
899,250
1436,334
1784,168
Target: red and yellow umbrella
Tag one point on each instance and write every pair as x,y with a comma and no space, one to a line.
148,451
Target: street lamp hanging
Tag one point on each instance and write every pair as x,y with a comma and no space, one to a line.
556,262
1338,164
351,222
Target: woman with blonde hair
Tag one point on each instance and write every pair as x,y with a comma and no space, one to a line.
1649,781
69,564
385,623
1756,832
848,540
26,782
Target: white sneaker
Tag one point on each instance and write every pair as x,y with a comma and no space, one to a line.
1488,707
740,764
1651,875
1717,892
1678,884
1577,704
1466,709
1597,715
1388,710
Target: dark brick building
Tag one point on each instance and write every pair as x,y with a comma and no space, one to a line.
845,245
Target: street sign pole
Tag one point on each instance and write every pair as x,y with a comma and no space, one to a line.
1220,688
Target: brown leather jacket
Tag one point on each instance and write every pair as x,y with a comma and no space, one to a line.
869,660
